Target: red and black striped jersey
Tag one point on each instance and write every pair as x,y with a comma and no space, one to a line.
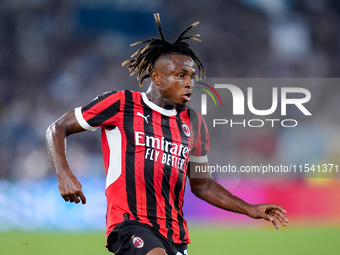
146,151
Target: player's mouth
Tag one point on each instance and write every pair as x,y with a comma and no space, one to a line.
187,96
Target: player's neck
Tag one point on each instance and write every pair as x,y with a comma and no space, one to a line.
155,97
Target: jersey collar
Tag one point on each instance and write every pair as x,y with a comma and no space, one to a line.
157,108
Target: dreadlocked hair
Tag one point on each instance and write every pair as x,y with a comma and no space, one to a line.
145,57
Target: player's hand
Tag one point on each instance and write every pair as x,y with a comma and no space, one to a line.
269,212
71,190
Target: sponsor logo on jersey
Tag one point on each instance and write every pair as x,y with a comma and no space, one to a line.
173,154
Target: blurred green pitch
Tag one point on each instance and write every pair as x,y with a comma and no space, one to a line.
205,241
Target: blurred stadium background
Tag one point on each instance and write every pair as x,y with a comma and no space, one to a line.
57,55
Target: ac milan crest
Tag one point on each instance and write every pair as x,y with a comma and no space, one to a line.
186,129
138,242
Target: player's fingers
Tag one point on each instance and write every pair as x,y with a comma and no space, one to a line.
280,208
281,217
272,207
281,220
276,225
67,198
72,198
266,216
75,198
82,197
269,217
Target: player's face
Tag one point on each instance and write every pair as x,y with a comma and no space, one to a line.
174,77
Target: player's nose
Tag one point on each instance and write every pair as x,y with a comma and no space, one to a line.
189,83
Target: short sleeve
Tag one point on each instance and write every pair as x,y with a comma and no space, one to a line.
101,111
82,122
201,139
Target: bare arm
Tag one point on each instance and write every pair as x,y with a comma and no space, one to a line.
207,189
69,186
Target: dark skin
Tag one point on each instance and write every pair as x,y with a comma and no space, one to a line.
172,81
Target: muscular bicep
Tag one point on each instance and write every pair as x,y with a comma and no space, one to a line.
55,139
68,123
198,170
59,130
199,177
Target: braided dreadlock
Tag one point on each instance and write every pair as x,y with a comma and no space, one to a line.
144,58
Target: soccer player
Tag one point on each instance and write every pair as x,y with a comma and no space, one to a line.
149,141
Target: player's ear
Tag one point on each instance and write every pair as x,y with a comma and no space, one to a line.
155,77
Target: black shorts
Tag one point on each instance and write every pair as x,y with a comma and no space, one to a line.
134,238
